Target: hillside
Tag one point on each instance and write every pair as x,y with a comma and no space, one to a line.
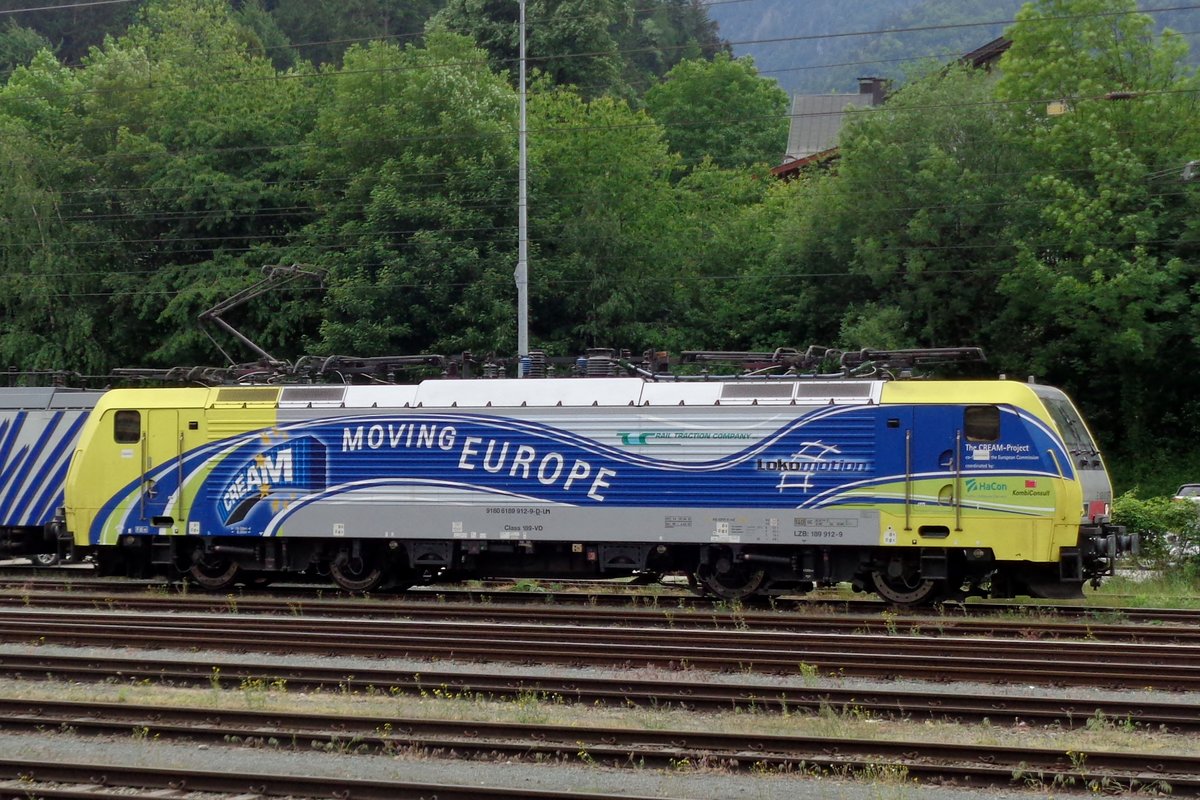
798,50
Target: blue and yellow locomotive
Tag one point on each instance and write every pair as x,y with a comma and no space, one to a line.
914,489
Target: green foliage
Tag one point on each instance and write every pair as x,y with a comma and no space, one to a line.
661,34
75,29
905,242
721,109
264,36
599,47
412,140
570,41
322,31
18,46
1104,267
1169,530
601,221
1155,514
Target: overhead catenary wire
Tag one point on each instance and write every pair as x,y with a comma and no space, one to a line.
66,6
501,206
500,279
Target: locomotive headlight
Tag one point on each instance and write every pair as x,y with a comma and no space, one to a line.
978,552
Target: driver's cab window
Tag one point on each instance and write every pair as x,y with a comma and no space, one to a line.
982,423
127,427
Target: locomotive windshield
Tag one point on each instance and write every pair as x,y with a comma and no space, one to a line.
1074,432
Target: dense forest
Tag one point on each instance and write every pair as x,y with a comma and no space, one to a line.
158,155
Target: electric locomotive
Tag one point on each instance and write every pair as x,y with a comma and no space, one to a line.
759,485
38,431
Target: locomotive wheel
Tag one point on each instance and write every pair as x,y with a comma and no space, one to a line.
737,583
904,590
214,573
355,575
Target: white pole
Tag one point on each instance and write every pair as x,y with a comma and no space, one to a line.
522,274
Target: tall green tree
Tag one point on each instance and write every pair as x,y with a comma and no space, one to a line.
50,292
18,46
322,31
662,33
191,136
75,27
918,211
410,157
571,41
723,110
1105,269
723,255
602,216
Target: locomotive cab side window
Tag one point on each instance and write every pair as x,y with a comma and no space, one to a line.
127,427
981,423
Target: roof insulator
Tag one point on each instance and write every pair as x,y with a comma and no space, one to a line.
489,404
630,402
524,403
754,402
595,402
718,402
559,403
646,403
454,404
680,402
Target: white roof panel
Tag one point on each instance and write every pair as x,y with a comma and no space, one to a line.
543,392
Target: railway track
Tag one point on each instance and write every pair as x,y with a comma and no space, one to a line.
18,584
972,707
202,671
977,765
1106,664
523,609
49,780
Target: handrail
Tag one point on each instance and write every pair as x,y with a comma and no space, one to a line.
1057,465
958,481
908,480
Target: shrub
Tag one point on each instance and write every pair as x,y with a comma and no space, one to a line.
1169,529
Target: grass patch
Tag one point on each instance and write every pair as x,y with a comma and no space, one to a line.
1177,587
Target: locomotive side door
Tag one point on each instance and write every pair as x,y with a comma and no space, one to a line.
149,447
162,446
937,463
